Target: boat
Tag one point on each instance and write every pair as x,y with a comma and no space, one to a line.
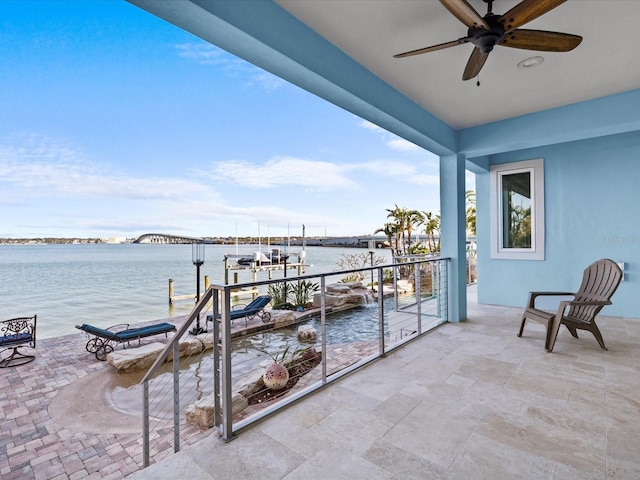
275,257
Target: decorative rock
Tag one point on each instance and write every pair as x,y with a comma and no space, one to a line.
137,358
338,288
330,300
282,318
308,334
275,376
350,285
405,286
203,411
358,298
129,359
238,403
249,384
193,345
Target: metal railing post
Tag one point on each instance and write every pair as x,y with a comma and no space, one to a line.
439,283
432,268
227,410
418,269
395,283
443,303
176,397
381,314
217,352
145,424
323,328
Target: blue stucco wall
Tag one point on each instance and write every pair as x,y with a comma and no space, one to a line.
592,200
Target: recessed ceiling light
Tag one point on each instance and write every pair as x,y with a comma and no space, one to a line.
530,62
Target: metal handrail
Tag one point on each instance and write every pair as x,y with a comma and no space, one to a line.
218,298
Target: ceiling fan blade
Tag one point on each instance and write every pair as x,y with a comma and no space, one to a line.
526,11
465,13
475,64
541,40
433,48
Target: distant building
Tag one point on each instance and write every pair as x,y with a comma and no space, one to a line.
116,240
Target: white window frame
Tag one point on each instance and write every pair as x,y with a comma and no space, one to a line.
497,172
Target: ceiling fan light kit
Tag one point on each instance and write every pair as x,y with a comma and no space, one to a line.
503,30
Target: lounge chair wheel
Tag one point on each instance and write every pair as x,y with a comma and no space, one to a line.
101,353
93,345
266,317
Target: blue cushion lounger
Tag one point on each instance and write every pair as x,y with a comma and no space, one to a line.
250,311
100,344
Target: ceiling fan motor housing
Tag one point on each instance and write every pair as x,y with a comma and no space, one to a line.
485,39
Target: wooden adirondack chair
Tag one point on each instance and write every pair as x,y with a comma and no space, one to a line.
599,283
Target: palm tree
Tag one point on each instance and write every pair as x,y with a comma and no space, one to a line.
400,216
431,224
391,231
519,224
412,217
470,196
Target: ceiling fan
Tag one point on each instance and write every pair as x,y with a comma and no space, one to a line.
491,30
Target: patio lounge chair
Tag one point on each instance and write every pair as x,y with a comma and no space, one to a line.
250,311
14,334
599,282
101,340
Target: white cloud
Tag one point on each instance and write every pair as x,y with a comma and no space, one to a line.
208,54
408,172
204,53
392,141
285,171
42,167
371,126
403,145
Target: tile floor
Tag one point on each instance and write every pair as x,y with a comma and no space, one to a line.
468,401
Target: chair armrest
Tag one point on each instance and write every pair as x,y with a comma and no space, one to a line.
239,306
119,327
534,295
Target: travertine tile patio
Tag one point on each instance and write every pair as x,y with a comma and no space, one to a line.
467,401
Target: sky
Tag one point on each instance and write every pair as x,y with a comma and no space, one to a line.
115,123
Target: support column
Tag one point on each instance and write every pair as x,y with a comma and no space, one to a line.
453,231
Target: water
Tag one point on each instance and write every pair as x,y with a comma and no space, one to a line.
104,284
249,354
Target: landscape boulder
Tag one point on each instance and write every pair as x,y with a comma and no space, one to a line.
307,334
129,359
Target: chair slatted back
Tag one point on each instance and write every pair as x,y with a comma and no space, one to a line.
599,282
258,303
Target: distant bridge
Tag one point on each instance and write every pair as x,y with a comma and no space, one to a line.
166,238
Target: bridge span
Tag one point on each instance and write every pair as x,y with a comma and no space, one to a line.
167,238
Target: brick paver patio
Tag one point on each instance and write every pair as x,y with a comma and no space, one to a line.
33,445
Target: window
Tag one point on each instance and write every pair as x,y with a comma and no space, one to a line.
517,210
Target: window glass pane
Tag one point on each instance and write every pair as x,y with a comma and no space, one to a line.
516,210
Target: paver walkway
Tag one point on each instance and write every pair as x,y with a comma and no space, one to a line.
33,445
83,443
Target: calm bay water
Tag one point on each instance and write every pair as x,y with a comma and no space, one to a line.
107,284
